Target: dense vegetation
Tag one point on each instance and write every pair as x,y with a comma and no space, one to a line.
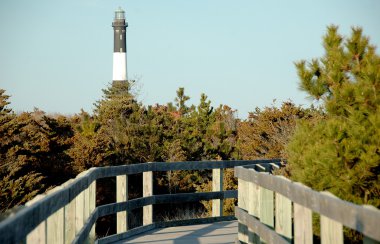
340,151
335,147
36,146
33,153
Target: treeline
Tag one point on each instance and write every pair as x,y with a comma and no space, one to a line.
335,147
39,151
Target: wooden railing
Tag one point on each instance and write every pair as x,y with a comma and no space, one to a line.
67,213
276,210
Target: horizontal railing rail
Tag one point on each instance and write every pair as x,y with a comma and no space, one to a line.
68,212
267,212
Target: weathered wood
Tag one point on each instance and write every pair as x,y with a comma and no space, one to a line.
243,194
283,216
30,218
334,208
132,232
184,222
139,230
69,216
303,225
260,168
164,198
217,185
121,196
339,210
265,232
82,201
197,196
55,228
86,204
219,233
243,188
112,171
84,233
200,165
253,209
283,213
38,235
147,191
112,208
266,207
69,210
275,166
92,192
136,203
254,202
79,215
15,228
366,239
331,230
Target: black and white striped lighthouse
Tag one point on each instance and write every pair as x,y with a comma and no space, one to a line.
120,46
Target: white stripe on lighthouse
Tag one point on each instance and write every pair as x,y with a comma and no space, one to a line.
119,66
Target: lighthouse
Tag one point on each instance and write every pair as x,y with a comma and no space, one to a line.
120,46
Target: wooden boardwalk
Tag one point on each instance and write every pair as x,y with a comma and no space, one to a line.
271,208
219,232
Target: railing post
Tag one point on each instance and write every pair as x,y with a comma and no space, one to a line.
366,239
147,191
55,231
303,224
242,203
283,214
80,207
266,213
217,185
331,230
253,209
86,207
303,228
92,203
69,215
121,196
38,235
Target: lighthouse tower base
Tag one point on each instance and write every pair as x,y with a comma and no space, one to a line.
119,66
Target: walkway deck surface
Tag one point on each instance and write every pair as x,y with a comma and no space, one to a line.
220,232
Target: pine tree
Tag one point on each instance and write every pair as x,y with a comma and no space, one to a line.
118,102
180,100
340,152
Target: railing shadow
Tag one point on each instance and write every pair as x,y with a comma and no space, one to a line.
220,232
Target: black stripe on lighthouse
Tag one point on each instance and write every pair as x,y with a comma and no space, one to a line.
119,31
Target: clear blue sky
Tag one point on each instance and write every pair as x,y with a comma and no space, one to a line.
57,55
